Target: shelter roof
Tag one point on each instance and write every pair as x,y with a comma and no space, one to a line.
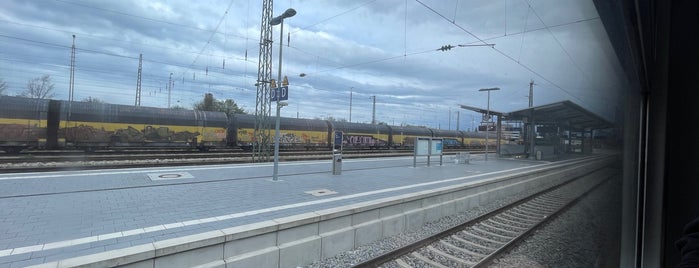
564,113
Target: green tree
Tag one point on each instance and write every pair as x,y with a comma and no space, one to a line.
39,88
229,107
209,103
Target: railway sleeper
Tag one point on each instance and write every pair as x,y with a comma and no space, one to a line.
427,260
499,236
449,256
485,249
477,256
506,221
498,229
515,218
502,226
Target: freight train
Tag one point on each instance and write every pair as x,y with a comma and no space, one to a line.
27,123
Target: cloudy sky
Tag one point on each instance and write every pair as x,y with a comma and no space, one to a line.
382,48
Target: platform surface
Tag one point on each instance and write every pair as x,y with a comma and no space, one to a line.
51,216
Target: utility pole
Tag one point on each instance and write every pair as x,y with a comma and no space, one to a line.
350,114
449,125
531,93
263,104
457,120
71,86
373,111
532,125
169,90
71,90
138,81
473,123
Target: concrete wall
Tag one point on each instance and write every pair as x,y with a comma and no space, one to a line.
302,239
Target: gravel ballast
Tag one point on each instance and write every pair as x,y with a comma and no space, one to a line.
578,238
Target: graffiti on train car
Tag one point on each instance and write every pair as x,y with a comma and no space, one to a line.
362,140
15,132
214,134
449,143
246,135
128,134
289,138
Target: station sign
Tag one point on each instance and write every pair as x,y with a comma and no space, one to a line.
280,92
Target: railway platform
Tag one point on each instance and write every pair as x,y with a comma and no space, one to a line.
55,219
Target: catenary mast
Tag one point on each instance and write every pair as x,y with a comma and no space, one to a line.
263,105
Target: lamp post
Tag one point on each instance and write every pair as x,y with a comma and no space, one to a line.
487,117
279,20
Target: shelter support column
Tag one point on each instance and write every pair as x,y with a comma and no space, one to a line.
498,136
532,137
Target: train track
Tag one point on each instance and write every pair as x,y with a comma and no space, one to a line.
478,242
147,155
71,161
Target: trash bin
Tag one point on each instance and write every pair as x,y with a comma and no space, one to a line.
337,164
539,155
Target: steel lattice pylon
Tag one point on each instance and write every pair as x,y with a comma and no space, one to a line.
263,105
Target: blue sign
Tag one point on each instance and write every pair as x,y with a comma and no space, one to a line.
338,137
337,145
281,92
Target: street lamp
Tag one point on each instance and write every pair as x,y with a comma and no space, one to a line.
279,20
487,117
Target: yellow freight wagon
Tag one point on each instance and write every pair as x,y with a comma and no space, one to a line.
23,123
294,134
363,136
91,125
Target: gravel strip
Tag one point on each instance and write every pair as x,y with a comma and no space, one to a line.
578,238
584,236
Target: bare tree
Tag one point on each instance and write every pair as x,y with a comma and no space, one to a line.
39,88
3,87
92,100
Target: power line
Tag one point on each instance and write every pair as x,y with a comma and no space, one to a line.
558,42
212,34
47,44
90,35
336,15
502,53
431,50
141,17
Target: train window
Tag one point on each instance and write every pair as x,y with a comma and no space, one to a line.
525,80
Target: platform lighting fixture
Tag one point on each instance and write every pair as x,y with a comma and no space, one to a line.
487,117
279,20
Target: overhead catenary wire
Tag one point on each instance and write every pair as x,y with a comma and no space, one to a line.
405,52
575,63
503,53
431,50
212,34
521,45
139,17
334,16
318,57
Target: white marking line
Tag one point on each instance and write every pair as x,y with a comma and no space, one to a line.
141,171
160,227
